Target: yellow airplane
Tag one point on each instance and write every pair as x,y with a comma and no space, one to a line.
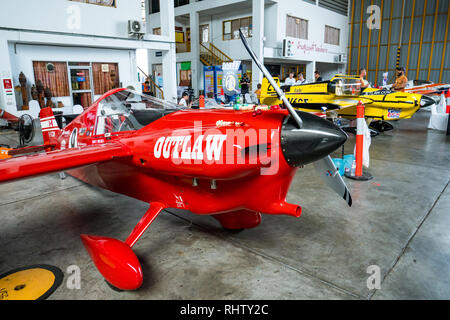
341,95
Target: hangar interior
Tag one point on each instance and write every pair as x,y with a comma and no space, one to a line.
398,222
392,243
421,29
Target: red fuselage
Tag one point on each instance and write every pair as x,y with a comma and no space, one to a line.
208,161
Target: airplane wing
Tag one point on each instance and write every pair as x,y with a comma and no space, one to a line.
55,161
348,102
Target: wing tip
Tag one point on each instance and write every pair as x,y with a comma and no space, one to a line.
347,197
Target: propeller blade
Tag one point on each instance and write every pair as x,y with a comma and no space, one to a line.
266,73
326,168
330,175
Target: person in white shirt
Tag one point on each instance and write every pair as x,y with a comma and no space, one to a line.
301,80
184,100
290,81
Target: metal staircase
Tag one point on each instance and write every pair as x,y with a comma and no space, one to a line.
210,55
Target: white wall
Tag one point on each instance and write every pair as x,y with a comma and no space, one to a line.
274,29
22,57
274,32
317,19
63,15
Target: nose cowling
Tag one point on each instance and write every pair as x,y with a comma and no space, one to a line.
315,140
426,101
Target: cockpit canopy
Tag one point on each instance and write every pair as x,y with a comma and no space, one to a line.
345,86
117,112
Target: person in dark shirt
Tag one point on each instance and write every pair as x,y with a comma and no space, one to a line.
245,81
317,76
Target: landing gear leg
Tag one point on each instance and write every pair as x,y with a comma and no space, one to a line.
114,259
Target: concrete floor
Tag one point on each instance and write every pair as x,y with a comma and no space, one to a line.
399,222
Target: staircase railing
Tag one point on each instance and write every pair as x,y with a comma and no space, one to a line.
212,56
154,88
219,53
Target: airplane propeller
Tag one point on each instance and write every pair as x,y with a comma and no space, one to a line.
280,92
325,166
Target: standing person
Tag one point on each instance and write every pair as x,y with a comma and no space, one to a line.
258,91
317,76
245,81
401,80
146,89
290,81
362,75
301,80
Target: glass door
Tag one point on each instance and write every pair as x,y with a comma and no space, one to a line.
81,85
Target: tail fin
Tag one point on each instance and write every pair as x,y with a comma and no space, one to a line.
50,129
266,87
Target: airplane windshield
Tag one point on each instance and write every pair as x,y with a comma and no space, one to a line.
347,87
116,112
134,100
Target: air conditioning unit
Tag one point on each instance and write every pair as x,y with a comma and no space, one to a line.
288,48
342,58
135,29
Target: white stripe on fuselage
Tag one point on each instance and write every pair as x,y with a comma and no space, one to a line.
181,147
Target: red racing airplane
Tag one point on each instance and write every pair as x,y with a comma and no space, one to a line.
208,161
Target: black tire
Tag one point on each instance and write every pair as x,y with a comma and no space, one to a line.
26,129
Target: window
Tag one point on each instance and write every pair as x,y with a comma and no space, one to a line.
106,77
154,6
231,28
332,35
204,33
178,3
106,3
296,27
54,78
179,36
339,6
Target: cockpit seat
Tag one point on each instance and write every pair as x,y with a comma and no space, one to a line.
147,116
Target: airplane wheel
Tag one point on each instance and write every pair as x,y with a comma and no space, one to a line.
373,133
387,126
239,220
349,129
26,129
381,126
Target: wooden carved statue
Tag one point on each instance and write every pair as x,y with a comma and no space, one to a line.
112,76
34,93
23,89
48,96
40,90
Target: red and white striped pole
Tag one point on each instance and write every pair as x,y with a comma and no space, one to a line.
359,138
359,148
447,95
447,99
